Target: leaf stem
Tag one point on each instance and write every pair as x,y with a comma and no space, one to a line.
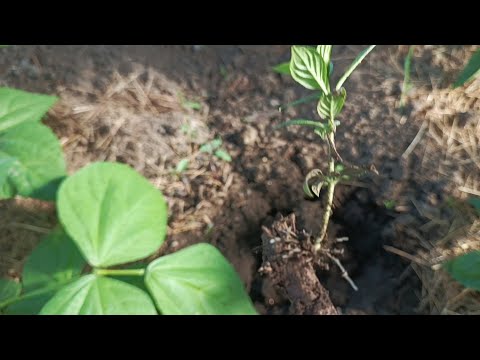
119,272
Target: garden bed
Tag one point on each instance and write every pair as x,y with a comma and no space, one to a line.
151,107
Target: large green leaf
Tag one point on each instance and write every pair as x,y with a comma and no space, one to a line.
6,164
35,162
353,66
113,214
9,289
17,106
308,69
471,70
55,260
326,52
197,280
98,295
466,269
30,305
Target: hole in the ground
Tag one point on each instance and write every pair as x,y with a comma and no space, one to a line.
377,273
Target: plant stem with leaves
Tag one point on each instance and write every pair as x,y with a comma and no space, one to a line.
312,68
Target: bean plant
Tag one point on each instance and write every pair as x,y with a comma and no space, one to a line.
111,218
312,68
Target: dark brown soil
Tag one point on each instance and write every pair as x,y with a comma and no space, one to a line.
264,181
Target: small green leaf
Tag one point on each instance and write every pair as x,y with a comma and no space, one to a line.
192,105
325,52
308,69
197,280
35,160
313,183
466,269
182,166
112,213
302,122
211,146
9,289
471,70
329,106
390,204
354,65
97,295
18,106
283,68
55,260
223,155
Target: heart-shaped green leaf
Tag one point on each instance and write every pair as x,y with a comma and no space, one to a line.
17,106
55,260
113,214
466,269
197,280
97,295
33,162
308,69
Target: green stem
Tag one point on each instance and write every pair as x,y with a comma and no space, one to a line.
119,272
330,192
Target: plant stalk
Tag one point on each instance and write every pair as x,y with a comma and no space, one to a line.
119,272
330,192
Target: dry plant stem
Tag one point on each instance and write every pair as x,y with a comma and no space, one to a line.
330,191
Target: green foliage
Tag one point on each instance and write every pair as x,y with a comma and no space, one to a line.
390,204
31,160
406,70
194,281
214,147
182,166
111,216
312,68
475,202
471,71
466,269
9,289
99,295
283,68
55,261
308,68
17,107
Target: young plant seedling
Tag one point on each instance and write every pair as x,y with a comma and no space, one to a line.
214,147
110,217
312,68
31,159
